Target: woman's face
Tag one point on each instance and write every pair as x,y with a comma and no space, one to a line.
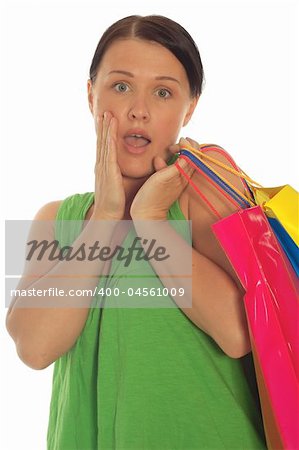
146,88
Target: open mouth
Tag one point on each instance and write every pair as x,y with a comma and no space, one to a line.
136,140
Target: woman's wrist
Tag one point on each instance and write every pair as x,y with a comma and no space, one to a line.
149,216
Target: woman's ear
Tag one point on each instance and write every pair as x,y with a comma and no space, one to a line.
191,109
90,95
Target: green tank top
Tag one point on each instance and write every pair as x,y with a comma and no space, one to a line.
147,378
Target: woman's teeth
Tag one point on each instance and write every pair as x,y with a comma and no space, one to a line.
136,140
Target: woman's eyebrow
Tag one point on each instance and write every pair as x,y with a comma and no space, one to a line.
166,77
123,72
129,74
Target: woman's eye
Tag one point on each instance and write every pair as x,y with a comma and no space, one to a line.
164,93
121,87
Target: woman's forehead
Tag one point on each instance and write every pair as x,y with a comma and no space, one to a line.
140,56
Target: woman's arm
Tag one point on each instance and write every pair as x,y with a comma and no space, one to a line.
42,334
229,325
217,305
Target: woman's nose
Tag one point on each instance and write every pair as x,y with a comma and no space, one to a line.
139,111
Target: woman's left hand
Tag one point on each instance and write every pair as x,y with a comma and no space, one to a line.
161,190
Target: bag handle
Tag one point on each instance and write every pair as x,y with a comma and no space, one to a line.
236,170
204,198
190,154
241,199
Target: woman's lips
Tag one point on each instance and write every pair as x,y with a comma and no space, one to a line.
136,144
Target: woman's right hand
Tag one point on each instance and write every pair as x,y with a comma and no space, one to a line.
110,200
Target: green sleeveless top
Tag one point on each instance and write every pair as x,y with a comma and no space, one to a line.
147,378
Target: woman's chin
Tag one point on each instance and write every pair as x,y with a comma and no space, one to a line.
136,175
136,171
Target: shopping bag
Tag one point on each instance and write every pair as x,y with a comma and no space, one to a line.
287,243
272,309
282,288
280,203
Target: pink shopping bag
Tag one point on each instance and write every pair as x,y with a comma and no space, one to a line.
271,303
272,308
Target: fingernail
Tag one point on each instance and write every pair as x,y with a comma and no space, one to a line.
183,141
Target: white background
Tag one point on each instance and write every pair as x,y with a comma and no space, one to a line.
249,106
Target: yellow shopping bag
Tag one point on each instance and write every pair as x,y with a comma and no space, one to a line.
281,202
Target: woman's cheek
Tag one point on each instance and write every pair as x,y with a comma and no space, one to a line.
173,127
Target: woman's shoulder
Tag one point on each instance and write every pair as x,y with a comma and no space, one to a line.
73,203
203,196
48,211
201,215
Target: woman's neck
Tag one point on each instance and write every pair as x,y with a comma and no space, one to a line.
131,187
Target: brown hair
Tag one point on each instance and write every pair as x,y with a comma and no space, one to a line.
159,29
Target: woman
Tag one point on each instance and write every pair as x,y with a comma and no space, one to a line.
152,378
